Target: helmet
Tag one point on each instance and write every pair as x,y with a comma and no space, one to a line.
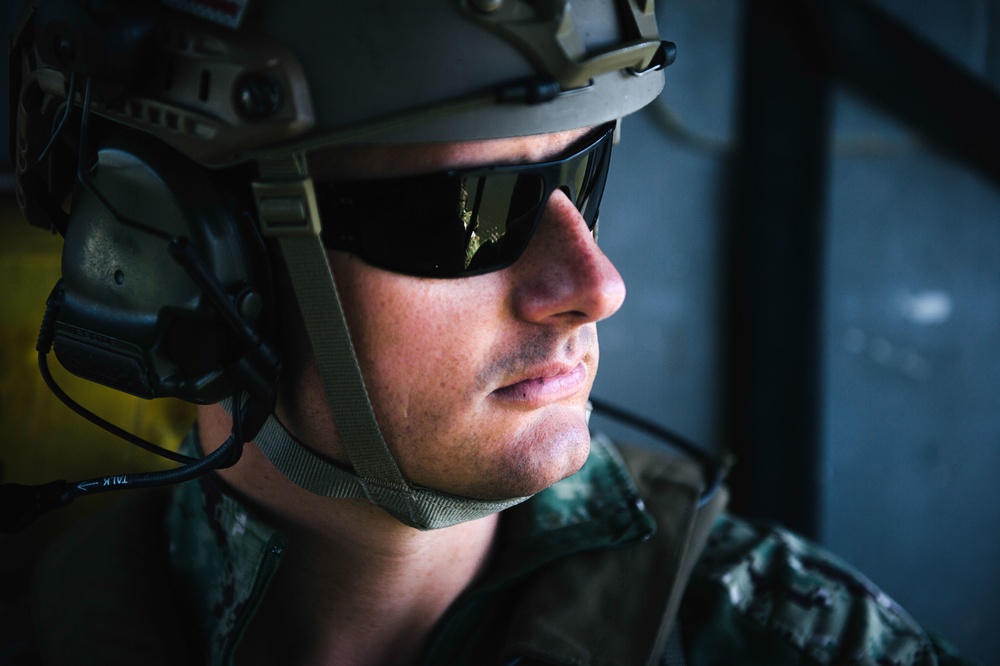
185,128
222,82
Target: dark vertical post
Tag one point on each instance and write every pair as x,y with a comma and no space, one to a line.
773,249
953,109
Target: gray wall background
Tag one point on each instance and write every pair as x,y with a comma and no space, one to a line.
909,415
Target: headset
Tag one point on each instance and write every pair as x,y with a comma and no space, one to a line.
166,287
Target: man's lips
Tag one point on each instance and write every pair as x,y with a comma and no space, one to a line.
546,385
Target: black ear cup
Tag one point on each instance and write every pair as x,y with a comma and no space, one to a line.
132,316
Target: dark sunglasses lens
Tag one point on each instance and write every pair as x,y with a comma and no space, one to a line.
499,213
433,226
460,223
367,218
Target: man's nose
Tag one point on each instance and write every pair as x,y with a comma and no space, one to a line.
563,276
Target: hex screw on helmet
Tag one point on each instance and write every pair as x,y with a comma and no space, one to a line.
258,96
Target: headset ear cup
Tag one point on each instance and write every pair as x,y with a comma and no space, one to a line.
133,317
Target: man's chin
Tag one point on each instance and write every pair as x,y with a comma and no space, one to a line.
554,449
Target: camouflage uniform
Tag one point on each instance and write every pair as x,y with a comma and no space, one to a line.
591,571
774,598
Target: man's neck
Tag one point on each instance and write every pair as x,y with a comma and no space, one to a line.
355,585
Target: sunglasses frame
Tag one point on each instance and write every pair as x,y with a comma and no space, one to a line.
347,209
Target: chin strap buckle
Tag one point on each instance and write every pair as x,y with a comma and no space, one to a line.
286,199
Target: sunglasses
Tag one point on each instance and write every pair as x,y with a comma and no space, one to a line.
458,223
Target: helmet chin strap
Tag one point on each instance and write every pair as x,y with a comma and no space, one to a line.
286,206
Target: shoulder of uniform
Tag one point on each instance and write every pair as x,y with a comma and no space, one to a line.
763,586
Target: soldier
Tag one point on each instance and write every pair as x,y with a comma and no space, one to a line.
362,236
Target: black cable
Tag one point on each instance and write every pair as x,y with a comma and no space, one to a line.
20,505
102,423
213,461
227,455
714,468
60,126
654,429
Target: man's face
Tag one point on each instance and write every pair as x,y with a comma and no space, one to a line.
479,384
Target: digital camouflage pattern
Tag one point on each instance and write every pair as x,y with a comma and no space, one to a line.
586,572
223,559
775,598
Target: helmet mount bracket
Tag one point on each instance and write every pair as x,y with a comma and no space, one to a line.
548,34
